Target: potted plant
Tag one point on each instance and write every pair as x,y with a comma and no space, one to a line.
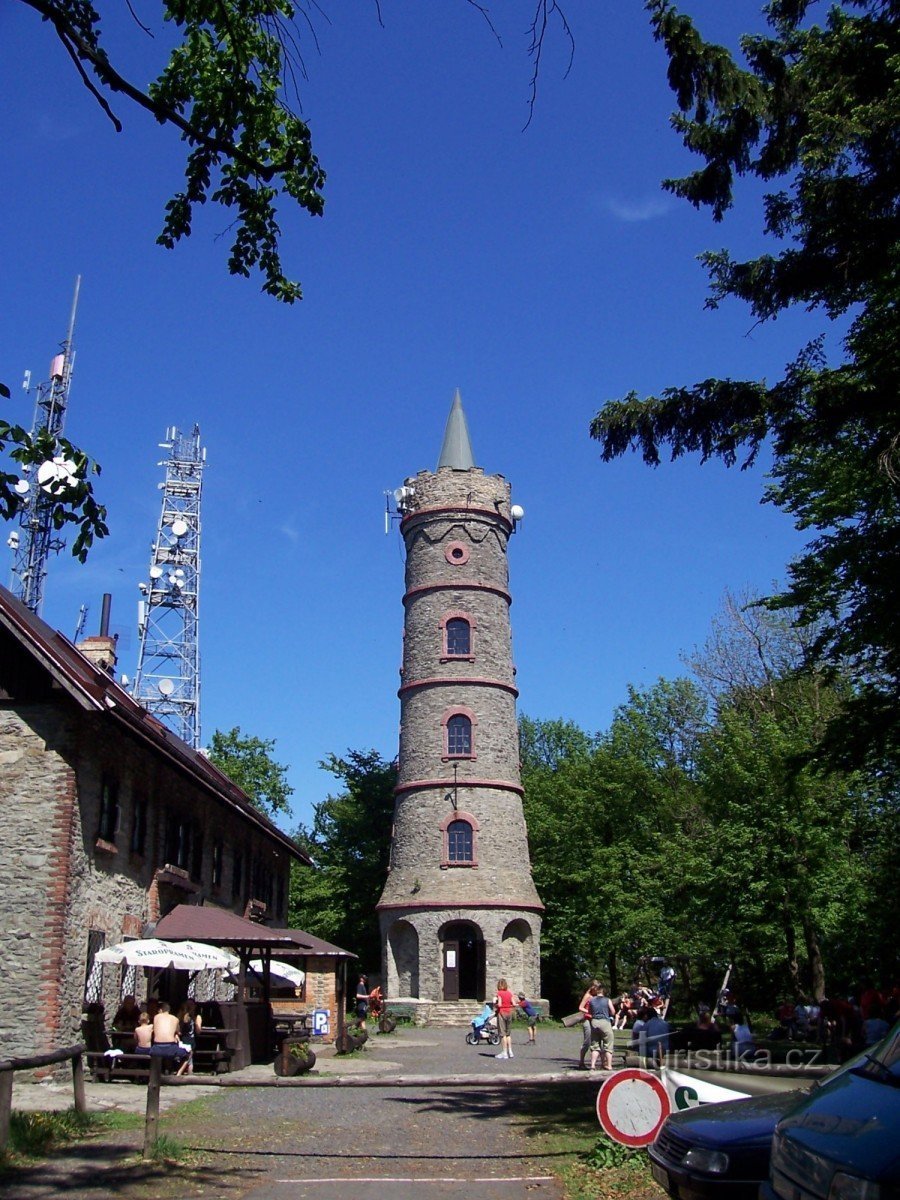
295,1058
353,1038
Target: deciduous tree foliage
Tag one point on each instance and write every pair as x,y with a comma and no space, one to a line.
697,827
231,88
349,842
225,87
248,762
813,112
73,503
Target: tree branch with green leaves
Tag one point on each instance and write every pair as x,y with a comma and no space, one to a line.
223,88
815,107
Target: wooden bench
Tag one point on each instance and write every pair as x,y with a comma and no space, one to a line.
218,1061
105,1068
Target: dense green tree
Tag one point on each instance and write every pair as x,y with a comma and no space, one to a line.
786,867
349,842
812,112
609,818
248,762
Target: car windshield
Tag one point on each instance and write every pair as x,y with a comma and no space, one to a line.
883,1060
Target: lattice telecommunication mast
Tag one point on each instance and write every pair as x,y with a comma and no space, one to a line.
167,682
35,537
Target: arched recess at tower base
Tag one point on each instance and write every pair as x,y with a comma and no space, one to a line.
516,953
403,960
463,961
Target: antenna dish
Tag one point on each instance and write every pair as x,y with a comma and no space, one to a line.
166,687
517,512
156,572
22,486
179,527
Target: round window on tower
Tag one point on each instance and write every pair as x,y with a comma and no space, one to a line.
457,553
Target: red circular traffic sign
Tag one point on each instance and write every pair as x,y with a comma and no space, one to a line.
632,1105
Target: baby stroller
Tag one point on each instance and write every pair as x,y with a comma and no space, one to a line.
484,1028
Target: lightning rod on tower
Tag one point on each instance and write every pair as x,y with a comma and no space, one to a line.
35,537
167,680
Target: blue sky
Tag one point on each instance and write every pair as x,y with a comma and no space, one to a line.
540,271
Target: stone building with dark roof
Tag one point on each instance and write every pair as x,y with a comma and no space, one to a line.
107,822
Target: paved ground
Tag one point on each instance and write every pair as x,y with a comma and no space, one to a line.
426,1143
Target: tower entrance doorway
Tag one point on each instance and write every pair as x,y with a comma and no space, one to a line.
463,958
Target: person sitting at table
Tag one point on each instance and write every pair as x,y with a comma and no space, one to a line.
143,1033
127,1014
165,1034
189,1025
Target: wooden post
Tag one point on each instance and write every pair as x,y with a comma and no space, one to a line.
78,1083
6,1082
151,1124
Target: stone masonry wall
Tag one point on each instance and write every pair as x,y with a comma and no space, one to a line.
35,837
61,881
521,969
456,529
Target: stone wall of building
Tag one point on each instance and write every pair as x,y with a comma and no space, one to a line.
68,882
511,938
36,800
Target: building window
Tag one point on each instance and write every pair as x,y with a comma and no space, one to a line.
457,553
459,842
458,636
139,825
217,856
109,810
262,882
459,736
459,832
93,975
184,844
197,852
237,874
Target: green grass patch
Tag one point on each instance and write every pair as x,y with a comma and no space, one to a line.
34,1135
566,1139
168,1149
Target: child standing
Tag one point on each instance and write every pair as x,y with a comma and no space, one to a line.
531,1016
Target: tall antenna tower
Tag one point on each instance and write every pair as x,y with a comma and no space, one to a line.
35,537
167,682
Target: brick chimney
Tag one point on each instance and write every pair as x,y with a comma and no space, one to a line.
100,649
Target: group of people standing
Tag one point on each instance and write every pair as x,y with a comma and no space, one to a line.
505,1005
163,1034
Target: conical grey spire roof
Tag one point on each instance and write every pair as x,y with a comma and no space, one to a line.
456,451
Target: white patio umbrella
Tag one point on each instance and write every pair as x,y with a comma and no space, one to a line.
279,972
152,952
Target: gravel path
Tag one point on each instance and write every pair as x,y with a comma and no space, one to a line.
337,1143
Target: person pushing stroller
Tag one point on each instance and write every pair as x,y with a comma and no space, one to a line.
484,1027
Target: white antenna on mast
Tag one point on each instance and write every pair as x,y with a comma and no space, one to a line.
37,534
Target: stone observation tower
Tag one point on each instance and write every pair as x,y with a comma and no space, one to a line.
459,908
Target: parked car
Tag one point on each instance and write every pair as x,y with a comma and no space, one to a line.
843,1141
719,1151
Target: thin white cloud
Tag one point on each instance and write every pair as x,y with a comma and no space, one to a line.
637,210
289,532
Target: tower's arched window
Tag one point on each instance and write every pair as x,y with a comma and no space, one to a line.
459,736
459,832
460,842
459,637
